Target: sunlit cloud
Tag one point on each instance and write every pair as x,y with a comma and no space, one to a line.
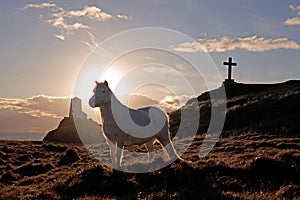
168,103
92,43
125,17
37,114
293,8
92,12
67,21
175,70
223,44
140,100
294,21
40,113
59,16
172,103
60,23
61,37
42,5
38,106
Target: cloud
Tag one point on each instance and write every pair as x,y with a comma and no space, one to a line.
223,44
61,37
140,100
37,106
176,70
295,8
125,17
42,5
294,21
60,23
162,69
168,103
92,12
60,16
172,103
67,21
93,41
35,114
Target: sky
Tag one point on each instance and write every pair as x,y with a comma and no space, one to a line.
44,44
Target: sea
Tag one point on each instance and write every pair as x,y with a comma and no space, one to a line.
22,136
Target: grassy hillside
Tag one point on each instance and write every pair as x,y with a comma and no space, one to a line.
252,108
241,167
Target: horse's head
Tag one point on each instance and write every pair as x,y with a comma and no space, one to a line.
102,95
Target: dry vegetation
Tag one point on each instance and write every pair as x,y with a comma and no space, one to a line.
249,166
259,108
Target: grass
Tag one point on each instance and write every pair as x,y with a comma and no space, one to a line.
250,166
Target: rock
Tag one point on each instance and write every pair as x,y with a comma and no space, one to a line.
67,132
76,128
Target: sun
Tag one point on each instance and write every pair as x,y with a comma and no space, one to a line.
113,76
85,83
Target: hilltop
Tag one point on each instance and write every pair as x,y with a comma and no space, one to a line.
252,108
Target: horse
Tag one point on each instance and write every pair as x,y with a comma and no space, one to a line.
124,126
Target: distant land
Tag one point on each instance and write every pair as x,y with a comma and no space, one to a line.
22,136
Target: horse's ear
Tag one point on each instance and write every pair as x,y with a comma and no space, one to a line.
106,83
97,83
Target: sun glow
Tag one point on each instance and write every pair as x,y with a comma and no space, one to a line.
113,76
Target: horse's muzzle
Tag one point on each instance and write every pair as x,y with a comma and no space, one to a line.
92,102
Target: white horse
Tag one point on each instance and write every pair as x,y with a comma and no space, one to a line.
128,129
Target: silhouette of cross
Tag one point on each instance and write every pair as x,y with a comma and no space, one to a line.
230,64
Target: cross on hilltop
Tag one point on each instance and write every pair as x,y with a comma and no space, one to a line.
229,64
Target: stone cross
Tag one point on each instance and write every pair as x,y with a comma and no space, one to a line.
230,64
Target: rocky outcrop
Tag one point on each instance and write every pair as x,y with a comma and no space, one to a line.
85,131
76,128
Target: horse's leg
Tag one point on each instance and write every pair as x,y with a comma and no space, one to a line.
112,147
150,148
165,140
120,146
